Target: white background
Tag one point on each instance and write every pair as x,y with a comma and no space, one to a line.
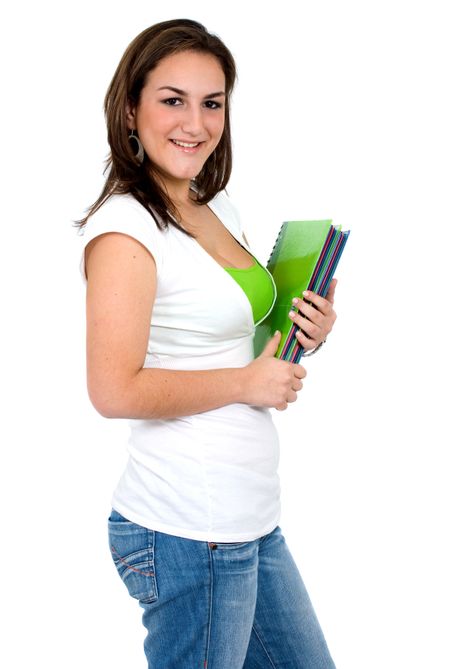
341,111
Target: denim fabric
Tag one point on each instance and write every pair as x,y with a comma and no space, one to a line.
218,605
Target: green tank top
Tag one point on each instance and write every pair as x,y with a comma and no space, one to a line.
257,285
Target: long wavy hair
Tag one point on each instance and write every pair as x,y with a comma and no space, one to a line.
124,173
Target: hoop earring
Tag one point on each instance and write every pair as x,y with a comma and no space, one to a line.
139,154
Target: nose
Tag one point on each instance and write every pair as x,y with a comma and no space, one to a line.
192,121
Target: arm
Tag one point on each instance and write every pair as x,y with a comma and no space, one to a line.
120,295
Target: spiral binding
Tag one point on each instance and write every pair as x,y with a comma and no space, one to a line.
276,243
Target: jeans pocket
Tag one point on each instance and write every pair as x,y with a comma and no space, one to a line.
132,549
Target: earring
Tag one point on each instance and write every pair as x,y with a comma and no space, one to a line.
139,155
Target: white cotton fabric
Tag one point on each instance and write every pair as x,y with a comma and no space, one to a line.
211,476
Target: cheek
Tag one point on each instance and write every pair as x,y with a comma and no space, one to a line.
216,127
156,121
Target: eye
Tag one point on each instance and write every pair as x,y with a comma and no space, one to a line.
212,104
172,102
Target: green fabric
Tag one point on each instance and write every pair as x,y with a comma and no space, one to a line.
257,285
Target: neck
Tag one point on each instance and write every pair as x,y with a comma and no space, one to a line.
179,191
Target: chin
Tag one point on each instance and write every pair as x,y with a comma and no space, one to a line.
186,175
181,172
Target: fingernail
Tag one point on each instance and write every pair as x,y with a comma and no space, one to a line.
291,314
306,293
295,300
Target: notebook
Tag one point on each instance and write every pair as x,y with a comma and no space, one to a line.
304,257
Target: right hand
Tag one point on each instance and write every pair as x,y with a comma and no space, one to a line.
271,382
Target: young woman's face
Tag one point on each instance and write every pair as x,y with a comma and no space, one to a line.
180,115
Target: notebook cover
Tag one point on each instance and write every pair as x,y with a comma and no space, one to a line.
319,283
292,263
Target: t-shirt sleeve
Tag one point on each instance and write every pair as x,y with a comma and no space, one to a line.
122,213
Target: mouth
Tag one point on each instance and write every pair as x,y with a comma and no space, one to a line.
186,147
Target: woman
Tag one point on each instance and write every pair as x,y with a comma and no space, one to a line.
193,530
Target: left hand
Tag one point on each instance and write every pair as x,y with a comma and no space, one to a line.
316,321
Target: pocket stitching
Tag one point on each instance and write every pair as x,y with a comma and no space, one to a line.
128,566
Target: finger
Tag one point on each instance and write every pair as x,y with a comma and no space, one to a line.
292,396
323,322
310,328
321,303
312,313
307,343
298,385
331,290
299,371
272,345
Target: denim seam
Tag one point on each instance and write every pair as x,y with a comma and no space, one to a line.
211,585
151,551
138,571
263,646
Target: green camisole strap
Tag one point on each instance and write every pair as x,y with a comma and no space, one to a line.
257,285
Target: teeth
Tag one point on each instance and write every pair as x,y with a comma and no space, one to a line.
185,144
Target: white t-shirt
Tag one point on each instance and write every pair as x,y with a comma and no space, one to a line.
211,476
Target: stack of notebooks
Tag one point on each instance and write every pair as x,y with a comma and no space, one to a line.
304,257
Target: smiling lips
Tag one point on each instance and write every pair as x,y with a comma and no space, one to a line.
186,147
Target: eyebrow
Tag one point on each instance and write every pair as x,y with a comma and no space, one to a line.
180,92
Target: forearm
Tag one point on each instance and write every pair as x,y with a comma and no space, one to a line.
162,393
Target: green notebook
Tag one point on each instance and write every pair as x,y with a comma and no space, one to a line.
304,257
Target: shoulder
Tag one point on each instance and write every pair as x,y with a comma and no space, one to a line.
125,215
119,209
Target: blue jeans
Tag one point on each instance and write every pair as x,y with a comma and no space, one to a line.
218,605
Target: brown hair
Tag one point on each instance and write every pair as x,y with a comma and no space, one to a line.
124,174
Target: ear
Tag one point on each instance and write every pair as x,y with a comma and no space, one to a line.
130,110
